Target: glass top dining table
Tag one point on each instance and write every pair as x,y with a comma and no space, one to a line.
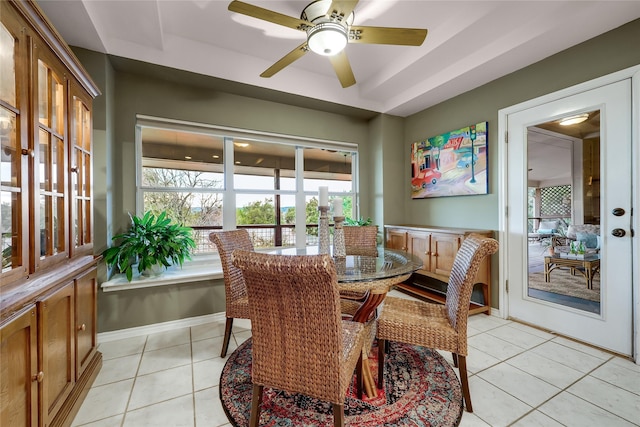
373,271
364,265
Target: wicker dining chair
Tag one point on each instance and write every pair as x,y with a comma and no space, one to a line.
300,343
358,240
361,239
437,326
236,302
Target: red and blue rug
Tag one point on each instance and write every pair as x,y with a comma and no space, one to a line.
421,389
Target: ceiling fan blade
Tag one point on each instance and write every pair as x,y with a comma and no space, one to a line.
344,7
268,15
343,69
387,35
286,60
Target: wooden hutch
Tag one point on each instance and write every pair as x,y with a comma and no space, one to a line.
48,289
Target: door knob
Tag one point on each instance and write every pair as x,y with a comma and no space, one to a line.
618,211
618,232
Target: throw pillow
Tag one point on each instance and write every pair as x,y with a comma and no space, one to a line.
590,240
548,227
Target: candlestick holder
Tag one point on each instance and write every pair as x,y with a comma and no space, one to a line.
339,249
323,230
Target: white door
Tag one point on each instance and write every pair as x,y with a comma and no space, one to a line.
610,325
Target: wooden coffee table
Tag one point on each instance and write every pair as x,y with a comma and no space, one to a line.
587,266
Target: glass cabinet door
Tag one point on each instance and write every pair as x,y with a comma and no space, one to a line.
81,177
14,154
50,219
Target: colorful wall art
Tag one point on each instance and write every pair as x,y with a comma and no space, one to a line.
451,164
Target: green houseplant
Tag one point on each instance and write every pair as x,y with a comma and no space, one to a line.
151,242
357,222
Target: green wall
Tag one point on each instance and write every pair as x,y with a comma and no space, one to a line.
610,52
126,94
605,54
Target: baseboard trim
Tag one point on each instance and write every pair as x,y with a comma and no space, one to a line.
159,327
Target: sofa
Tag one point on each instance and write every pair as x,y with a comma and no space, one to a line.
588,234
546,229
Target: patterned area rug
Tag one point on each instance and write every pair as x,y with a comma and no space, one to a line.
562,282
421,390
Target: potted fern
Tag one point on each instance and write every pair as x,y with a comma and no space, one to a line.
154,243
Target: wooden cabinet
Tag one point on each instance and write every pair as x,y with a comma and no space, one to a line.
437,248
48,276
57,344
86,292
49,354
19,375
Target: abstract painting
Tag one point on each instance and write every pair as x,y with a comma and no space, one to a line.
451,164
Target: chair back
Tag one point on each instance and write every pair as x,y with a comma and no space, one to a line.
363,236
361,239
296,323
473,250
227,242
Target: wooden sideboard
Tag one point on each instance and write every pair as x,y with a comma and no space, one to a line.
437,248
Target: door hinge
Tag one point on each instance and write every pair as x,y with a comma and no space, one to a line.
506,211
506,286
506,137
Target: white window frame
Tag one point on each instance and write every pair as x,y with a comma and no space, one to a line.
228,192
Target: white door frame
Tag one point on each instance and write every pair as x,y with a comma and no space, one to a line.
634,74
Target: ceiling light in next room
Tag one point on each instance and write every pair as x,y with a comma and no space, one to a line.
241,144
187,157
567,121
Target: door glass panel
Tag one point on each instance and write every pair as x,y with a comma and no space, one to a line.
9,156
57,165
7,67
43,93
564,213
86,218
76,207
86,126
76,177
53,220
57,105
10,217
59,242
86,181
45,161
45,203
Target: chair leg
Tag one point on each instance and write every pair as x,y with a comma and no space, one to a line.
462,361
254,421
338,415
455,359
381,350
227,336
359,378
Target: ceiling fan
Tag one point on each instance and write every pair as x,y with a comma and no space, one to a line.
329,27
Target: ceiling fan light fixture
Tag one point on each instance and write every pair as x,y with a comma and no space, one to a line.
568,121
327,38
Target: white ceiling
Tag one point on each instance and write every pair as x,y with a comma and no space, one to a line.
469,43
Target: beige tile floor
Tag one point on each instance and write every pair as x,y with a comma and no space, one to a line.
519,376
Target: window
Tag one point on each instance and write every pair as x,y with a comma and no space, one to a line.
208,178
